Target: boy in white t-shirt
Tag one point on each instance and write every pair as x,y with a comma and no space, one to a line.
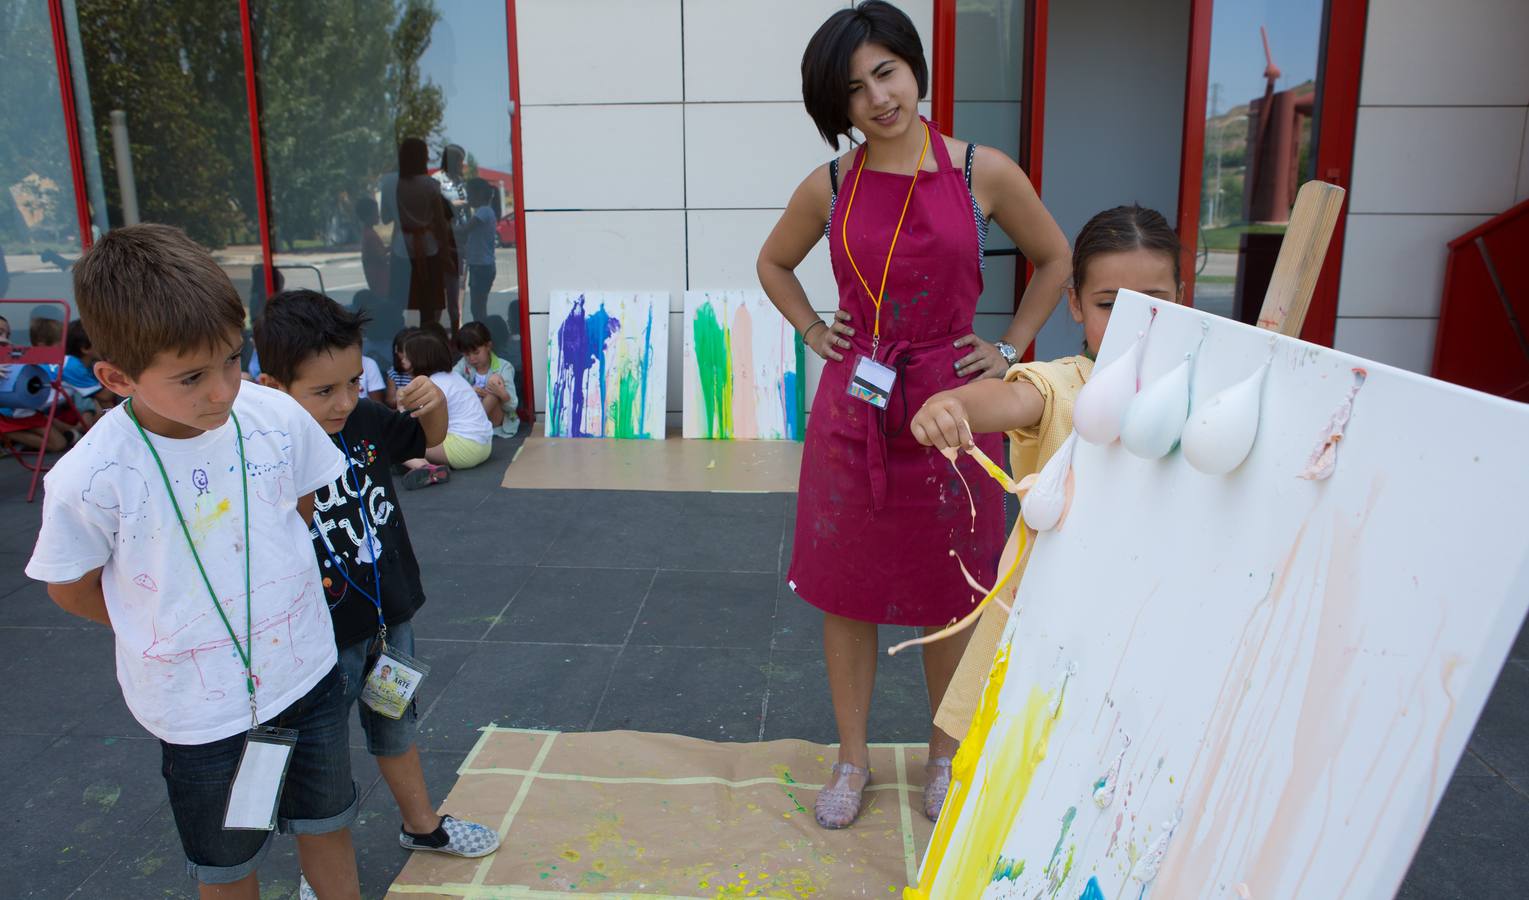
180,521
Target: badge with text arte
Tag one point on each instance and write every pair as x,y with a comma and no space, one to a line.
872,381
393,682
255,791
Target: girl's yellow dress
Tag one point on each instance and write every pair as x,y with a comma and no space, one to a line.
1029,449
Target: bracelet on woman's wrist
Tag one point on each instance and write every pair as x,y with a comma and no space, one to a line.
813,325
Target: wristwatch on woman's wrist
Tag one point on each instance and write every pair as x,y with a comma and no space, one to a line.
1008,351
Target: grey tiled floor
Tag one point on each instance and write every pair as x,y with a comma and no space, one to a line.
569,610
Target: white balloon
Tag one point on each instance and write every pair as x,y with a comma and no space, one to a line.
1102,403
1155,419
1220,432
1045,505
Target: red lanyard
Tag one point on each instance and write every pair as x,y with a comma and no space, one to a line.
877,297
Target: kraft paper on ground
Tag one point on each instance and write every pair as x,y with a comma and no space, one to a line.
629,814
668,465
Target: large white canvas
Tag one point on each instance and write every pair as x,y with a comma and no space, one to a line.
1297,664
743,369
607,364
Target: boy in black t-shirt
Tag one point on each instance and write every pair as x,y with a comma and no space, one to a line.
310,348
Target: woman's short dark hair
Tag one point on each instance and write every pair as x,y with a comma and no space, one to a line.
825,64
427,354
1121,229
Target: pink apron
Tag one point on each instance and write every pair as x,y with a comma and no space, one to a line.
878,514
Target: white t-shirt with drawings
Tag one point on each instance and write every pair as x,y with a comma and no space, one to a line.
106,508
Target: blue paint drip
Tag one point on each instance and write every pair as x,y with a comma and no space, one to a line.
1092,891
647,363
791,402
598,328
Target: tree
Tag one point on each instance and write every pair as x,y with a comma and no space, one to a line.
34,153
338,82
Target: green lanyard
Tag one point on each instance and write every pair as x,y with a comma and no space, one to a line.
246,652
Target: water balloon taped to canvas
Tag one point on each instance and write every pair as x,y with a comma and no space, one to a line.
1276,589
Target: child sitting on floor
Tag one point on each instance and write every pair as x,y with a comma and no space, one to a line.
89,397
1125,247
469,434
492,378
398,372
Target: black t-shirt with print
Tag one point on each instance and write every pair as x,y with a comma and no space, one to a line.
375,438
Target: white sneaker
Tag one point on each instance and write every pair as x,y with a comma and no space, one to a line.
304,890
464,838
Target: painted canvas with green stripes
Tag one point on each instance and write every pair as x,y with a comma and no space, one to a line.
607,364
743,370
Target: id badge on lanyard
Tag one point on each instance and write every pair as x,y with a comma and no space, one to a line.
872,382
393,681
255,793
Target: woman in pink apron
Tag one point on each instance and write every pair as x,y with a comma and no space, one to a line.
906,216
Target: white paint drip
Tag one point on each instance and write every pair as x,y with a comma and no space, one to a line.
1324,459
1104,794
1152,860
1061,689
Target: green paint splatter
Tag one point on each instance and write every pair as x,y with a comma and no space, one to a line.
785,778
1008,869
714,363
1072,813
102,795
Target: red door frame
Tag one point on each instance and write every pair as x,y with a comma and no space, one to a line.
71,120
1340,68
1192,147
257,160
942,88
517,186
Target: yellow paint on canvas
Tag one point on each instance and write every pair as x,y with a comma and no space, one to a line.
1020,749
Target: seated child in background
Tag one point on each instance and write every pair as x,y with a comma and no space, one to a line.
44,332
372,387
117,547
90,398
1125,247
398,373
312,351
482,235
492,378
469,434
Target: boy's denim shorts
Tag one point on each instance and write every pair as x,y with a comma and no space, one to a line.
384,736
318,797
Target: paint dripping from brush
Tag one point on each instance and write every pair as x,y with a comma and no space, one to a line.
950,454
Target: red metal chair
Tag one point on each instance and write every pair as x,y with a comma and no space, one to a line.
60,407
1483,337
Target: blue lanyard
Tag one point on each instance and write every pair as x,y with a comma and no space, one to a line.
372,543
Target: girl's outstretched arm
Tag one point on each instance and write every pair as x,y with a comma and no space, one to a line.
950,418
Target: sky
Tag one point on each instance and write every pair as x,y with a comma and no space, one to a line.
1237,53
467,58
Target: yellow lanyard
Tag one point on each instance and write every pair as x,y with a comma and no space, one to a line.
876,298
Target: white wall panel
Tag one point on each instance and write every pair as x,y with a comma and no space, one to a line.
621,250
598,51
749,51
1436,159
1457,53
742,155
1394,265
724,245
1404,343
603,157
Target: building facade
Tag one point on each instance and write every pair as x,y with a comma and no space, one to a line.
650,145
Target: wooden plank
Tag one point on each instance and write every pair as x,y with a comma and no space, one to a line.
1317,205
